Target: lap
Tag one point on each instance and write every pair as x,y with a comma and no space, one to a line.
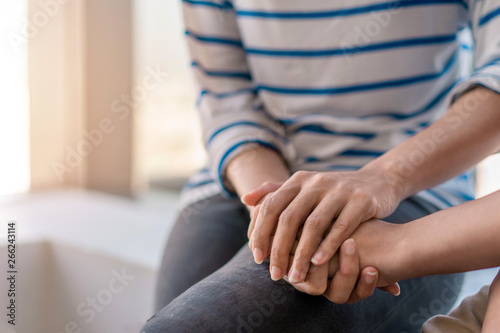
241,297
205,236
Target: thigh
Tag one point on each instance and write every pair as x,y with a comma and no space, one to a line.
241,297
205,236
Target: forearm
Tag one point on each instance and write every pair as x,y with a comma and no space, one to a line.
465,135
250,169
458,239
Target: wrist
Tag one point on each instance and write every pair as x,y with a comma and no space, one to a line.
250,169
401,267
379,245
396,174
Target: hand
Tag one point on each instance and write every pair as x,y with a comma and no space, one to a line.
315,199
343,269
254,199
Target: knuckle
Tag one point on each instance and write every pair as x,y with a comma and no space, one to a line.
341,225
342,186
287,217
349,271
315,222
257,238
301,175
276,254
360,194
300,254
317,179
267,206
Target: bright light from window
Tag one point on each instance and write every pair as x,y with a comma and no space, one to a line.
14,121
167,126
488,179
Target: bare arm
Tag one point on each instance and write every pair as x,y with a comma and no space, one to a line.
252,168
464,136
458,239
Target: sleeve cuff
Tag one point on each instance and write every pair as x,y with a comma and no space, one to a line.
235,141
488,77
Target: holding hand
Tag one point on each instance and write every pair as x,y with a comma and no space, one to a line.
342,280
314,199
343,269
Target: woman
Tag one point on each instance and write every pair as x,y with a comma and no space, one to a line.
332,92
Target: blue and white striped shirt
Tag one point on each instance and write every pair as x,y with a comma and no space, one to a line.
333,84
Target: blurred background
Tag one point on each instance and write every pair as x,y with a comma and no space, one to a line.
98,132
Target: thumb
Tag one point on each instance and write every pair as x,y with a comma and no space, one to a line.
392,289
252,198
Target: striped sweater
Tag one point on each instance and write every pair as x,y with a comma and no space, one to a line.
333,84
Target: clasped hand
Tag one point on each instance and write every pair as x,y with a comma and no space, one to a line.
324,209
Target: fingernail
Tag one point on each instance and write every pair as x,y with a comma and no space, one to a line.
370,277
257,255
399,291
350,247
275,273
294,276
317,258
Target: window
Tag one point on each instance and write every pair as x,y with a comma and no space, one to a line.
14,115
168,134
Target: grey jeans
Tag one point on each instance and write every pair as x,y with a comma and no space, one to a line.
208,282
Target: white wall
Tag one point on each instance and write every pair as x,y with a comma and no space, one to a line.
109,237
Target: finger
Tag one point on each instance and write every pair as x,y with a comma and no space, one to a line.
313,231
316,281
354,212
299,232
366,285
333,266
289,222
269,212
251,226
294,247
270,242
252,198
393,289
344,281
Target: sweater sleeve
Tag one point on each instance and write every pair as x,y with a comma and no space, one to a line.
231,117
484,19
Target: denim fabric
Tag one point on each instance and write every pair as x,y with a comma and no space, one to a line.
208,282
